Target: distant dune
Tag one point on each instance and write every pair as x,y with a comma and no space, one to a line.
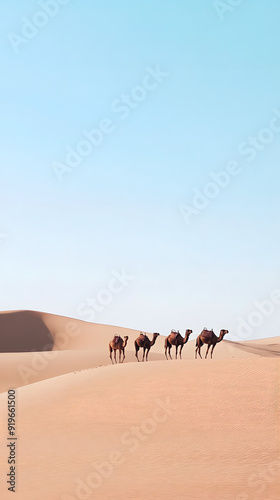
24,331
179,430
78,345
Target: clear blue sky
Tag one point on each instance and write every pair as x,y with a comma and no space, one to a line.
121,207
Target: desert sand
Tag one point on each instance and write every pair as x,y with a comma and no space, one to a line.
185,429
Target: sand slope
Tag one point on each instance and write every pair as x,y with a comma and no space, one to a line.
172,431
186,429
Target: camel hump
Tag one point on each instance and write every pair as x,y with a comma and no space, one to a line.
174,334
142,339
207,333
142,336
116,339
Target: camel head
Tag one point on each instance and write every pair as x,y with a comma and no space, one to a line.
125,337
187,334
223,332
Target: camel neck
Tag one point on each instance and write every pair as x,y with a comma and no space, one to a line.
153,340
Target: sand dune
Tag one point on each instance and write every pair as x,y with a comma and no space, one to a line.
27,331
266,347
78,345
24,331
186,429
151,431
18,369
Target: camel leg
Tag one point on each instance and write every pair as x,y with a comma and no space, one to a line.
148,350
144,352
180,352
110,350
120,354
198,351
208,347
165,348
115,356
136,350
212,350
198,347
123,356
176,351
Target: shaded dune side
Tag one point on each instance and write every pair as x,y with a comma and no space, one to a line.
27,331
24,331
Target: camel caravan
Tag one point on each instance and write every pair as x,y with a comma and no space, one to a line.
174,339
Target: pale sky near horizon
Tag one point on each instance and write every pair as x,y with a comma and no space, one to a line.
196,87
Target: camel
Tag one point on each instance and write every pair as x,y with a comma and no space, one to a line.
146,343
176,339
117,344
209,338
